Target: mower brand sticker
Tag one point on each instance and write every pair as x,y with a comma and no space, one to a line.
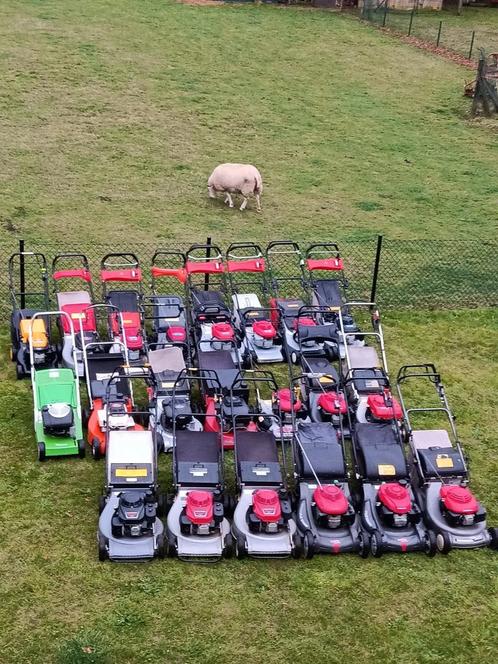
334,308
325,379
386,469
293,306
103,376
371,384
53,374
131,472
258,470
167,385
444,461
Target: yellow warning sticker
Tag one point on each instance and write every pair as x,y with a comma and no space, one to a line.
325,379
386,469
444,461
131,472
78,316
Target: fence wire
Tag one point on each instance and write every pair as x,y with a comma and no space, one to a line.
418,274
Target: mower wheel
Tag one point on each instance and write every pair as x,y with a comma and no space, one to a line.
430,545
103,553
41,452
19,372
443,542
363,548
81,449
298,548
171,551
228,505
170,499
294,357
228,546
162,504
308,545
376,544
85,416
493,534
96,449
240,547
161,547
102,504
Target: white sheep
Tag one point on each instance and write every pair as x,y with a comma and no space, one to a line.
242,179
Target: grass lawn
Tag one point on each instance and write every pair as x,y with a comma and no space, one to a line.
113,115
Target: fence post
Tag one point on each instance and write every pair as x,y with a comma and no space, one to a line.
472,43
411,22
385,14
439,33
375,277
208,255
22,274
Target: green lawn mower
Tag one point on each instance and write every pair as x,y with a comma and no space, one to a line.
56,401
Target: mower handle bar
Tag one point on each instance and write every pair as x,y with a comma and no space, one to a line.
243,245
124,255
322,245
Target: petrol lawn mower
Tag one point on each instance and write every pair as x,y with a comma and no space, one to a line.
124,268
260,340
130,528
56,400
27,299
197,525
76,303
168,308
170,396
440,473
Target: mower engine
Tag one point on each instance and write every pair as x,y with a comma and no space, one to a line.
202,515
182,410
332,405
284,402
135,514
460,507
383,407
269,512
394,505
57,419
222,336
331,508
264,334
235,406
118,417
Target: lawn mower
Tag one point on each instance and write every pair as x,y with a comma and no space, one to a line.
130,527
76,303
101,359
56,401
440,473
168,309
197,525
325,514
25,303
170,396
260,340
124,268
211,319
263,522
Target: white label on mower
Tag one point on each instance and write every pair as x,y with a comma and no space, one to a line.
103,376
260,471
53,374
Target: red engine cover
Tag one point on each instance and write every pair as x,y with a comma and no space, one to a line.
132,328
176,333
199,507
381,411
76,313
284,397
459,499
395,497
303,320
222,331
330,500
264,329
266,505
333,402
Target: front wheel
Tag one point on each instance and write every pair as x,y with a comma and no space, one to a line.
81,449
228,546
41,452
443,542
161,547
493,536
103,552
363,548
308,545
240,547
430,544
376,544
294,357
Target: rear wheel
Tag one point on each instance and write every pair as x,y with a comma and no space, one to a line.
96,449
41,452
161,547
81,449
430,545
376,544
308,545
171,546
443,542
363,548
85,416
103,552
240,547
493,534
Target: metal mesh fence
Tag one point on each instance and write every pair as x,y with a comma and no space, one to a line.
418,274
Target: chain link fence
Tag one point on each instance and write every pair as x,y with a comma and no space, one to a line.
418,274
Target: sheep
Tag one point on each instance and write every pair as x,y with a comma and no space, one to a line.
242,179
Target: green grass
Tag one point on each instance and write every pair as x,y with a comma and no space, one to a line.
114,114
57,600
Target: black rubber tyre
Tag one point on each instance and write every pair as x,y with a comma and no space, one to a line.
85,416
170,499
294,356
228,546
103,553
81,449
493,534
228,505
443,542
102,504
430,545
162,502
161,547
308,545
363,545
96,449
171,547
240,547
376,544
298,548
19,372
41,452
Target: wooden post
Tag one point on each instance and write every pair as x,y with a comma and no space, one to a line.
439,33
